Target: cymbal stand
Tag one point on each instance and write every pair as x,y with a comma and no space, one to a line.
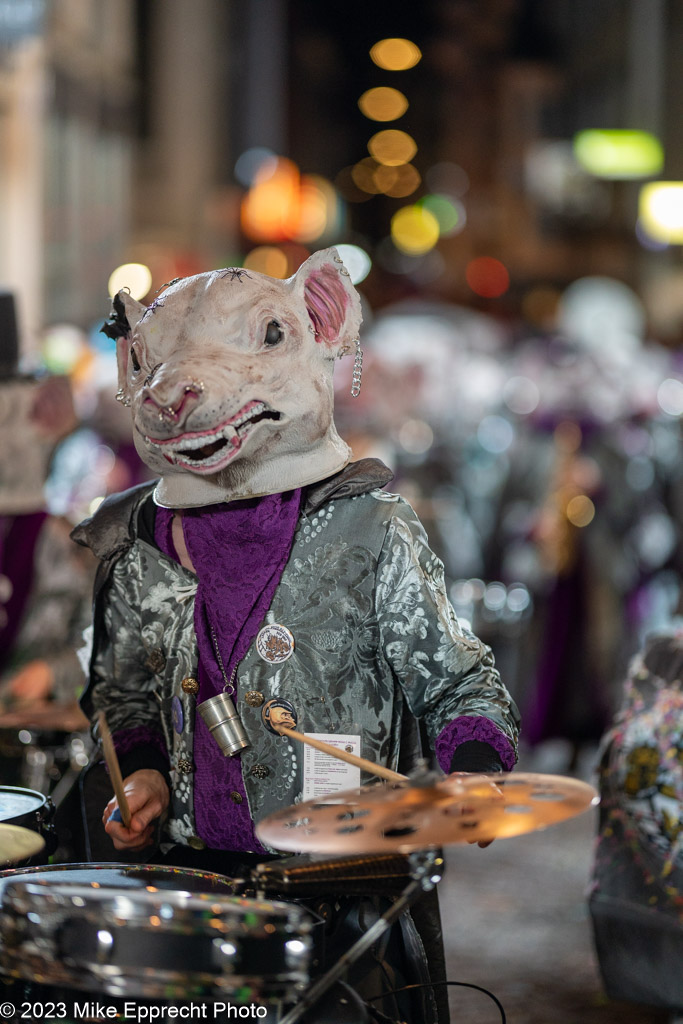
427,868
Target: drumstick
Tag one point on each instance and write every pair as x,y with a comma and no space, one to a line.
342,755
114,771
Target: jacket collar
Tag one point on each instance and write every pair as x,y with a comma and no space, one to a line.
114,526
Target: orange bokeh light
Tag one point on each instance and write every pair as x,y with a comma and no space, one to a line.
283,204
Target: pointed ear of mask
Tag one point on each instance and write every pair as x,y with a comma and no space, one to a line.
126,312
332,302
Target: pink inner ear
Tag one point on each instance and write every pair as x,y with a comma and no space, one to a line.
326,300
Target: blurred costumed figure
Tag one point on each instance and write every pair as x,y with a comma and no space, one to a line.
45,580
637,897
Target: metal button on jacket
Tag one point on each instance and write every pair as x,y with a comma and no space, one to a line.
260,771
236,797
185,766
253,698
196,842
190,685
156,662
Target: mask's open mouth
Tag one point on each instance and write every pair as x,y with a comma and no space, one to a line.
211,450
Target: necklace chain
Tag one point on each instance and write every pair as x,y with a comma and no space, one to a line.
229,683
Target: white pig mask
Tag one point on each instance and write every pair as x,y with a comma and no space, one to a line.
229,378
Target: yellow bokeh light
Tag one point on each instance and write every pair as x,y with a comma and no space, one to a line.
580,510
395,54
392,147
136,277
414,230
660,208
268,259
397,182
383,104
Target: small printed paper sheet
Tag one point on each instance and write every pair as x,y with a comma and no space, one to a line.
324,774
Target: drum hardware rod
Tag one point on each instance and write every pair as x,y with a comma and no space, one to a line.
425,876
342,755
112,762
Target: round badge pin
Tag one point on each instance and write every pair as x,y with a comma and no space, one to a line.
275,643
279,712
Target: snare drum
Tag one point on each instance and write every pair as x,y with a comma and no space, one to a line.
29,809
155,932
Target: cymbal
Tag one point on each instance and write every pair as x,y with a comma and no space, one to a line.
407,816
18,843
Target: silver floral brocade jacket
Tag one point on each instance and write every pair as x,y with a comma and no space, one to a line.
375,637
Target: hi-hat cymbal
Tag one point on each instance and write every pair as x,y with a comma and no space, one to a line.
18,843
407,816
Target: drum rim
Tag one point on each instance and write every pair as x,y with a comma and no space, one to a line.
192,903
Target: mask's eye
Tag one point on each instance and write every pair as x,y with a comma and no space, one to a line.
273,334
134,361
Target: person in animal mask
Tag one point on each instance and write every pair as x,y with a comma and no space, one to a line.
265,564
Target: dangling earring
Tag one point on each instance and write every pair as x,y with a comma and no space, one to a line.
122,397
357,370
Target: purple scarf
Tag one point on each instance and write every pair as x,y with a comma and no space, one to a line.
239,551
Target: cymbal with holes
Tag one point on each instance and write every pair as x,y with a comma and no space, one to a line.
407,816
17,844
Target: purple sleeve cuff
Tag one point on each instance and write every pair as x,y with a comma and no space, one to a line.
469,727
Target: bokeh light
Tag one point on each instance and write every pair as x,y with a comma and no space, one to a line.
450,213
495,434
135,277
619,153
397,182
660,209
487,277
540,305
356,260
363,175
521,395
348,189
449,178
602,313
255,162
415,436
282,205
269,211
383,103
670,396
62,347
392,147
317,208
580,510
414,231
268,259
395,54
